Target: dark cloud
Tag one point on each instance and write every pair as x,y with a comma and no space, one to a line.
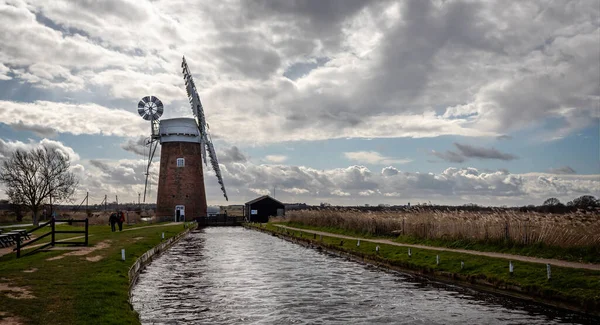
40,130
231,155
138,146
466,151
562,170
483,153
251,61
450,156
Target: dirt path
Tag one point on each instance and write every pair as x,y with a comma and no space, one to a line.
575,265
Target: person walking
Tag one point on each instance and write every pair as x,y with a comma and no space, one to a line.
121,219
112,220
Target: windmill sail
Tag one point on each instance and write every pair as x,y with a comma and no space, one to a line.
198,110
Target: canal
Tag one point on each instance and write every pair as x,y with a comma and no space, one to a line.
228,275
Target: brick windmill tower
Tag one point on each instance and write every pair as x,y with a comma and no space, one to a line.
181,194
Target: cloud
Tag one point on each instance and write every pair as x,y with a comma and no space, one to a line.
389,171
468,151
562,170
232,154
40,130
138,146
483,153
449,156
72,118
373,157
276,158
516,55
4,70
7,148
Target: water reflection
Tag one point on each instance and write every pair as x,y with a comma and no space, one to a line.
239,276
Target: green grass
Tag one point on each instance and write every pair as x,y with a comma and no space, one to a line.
73,290
578,287
588,254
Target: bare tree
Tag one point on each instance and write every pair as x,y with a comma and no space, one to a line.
32,177
552,202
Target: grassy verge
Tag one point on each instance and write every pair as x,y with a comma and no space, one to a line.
572,288
589,254
73,290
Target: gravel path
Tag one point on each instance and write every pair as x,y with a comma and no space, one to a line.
575,265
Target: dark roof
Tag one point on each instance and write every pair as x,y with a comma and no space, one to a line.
262,198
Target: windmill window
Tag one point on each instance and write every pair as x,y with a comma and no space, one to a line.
180,162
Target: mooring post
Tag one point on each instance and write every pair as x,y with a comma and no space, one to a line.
377,249
409,253
358,243
511,267
341,243
548,271
163,235
123,254
462,265
437,260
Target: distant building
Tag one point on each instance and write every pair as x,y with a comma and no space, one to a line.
260,209
236,210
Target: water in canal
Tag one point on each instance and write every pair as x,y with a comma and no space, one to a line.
238,276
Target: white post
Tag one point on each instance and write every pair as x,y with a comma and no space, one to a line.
462,265
358,243
511,267
437,259
377,249
548,271
409,253
163,235
123,254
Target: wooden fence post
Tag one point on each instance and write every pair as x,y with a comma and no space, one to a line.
53,230
86,231
18,245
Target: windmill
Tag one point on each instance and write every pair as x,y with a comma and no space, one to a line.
185,143
198,111
150,109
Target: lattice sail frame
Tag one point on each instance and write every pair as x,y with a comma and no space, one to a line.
198,110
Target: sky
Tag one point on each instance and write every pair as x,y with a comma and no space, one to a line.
347,102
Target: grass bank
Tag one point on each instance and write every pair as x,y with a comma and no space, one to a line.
583,254
575,289
75,287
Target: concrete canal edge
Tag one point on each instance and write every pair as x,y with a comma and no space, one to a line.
472,282
149,256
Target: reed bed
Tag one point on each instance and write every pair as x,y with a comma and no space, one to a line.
578,229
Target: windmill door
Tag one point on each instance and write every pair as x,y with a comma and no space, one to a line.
179,213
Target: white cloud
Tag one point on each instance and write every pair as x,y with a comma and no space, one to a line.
276,158
373,157
7,148
510,57
4,70
74,118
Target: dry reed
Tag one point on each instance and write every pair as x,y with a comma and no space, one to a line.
576,229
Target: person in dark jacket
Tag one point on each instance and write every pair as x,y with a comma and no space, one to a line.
113,220
120,219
